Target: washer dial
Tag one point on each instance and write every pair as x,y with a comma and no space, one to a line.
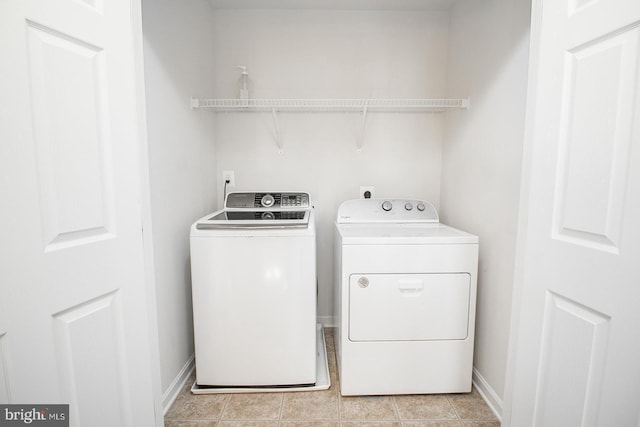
267,200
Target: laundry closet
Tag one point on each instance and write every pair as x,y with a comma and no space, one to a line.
517,120
464,159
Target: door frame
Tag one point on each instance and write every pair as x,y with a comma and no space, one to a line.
523,210
145,209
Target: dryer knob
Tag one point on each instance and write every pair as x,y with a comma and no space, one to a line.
408,206
421,206
387,206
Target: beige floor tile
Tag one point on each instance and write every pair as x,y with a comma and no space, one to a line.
425,407
253,406
371,424
333,366
481,424
310,423
185,423
310,405
186,388
367,408
328,408
432,423
330,340
192,407
245,423
333,370
471,406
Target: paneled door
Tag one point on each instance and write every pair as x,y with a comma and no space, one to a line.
74,310
577,323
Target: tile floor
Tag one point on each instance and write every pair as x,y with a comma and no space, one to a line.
328,408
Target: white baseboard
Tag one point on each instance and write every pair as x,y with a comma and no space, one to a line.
172,392
326,321
488,394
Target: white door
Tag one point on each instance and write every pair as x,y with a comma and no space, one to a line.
74,325
577,342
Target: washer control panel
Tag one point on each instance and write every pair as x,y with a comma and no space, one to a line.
386,210
271,201
294,200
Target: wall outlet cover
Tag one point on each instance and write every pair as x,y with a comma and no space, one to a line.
231,176
367,192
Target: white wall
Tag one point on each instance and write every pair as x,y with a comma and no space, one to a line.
481,169
178,64
332,54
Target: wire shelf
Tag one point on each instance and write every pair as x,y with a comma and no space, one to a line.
331,105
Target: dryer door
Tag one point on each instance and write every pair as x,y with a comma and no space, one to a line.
409,307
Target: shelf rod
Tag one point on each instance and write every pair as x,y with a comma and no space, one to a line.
331,105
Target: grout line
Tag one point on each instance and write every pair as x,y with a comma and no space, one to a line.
454,408
395,408
281,409
224,408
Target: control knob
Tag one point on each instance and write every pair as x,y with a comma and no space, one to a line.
408,206
267,200
268,215
421,206
387,206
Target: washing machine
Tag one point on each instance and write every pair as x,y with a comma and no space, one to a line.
253,267
405,299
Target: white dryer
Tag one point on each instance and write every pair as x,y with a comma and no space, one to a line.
405,299
253,267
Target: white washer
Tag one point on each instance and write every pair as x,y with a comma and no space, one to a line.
405,299
253,267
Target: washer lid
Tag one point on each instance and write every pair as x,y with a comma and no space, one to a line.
208,226
254,219
399,234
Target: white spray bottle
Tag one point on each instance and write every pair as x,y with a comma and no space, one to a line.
244,92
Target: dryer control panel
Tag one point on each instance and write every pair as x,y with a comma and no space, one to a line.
386,210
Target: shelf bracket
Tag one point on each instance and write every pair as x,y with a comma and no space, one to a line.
362,128
276,126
